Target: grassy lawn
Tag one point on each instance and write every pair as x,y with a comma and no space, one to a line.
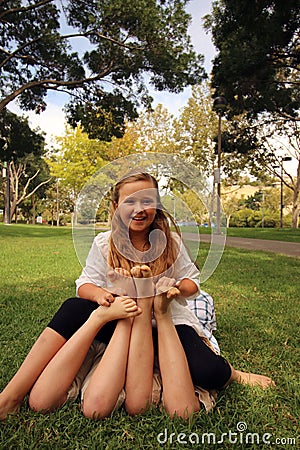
257,302
277,234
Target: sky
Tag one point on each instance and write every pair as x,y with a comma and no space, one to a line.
52,120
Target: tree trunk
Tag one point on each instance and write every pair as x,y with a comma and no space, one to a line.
228,220
295,214
33,209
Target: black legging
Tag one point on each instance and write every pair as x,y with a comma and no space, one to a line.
208,370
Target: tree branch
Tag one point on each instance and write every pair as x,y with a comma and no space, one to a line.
55,86
11,55
24,8
36,188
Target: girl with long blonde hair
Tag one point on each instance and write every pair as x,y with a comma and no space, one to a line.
129,336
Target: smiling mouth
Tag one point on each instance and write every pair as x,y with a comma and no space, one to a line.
138,219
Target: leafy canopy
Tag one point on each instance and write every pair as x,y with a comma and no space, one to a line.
257,67
119,45
17,138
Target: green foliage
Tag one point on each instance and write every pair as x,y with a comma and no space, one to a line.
257,66
23,153
119,40
20,139
155,129
245,217
257,70
196,129
196,136
76,161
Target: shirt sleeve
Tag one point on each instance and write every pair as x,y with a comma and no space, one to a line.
95,268
185,268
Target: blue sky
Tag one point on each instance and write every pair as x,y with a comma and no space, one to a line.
52,120
202,43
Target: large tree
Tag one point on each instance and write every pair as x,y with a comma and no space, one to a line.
121,44
21,149
257,70
257,65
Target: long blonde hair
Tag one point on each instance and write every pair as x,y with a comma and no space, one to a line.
165,261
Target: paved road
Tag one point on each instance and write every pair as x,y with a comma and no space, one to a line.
283,248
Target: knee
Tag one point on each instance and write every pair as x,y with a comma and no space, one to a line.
182,411
182,406
39,403
136,406
96,408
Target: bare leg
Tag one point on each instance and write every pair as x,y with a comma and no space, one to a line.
139,377
178,389
43,350
50,390
251,379
108,379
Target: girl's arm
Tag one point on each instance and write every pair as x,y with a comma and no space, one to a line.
96,294
94,274
187,287
186,273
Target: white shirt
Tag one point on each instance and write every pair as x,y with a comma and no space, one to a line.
97,267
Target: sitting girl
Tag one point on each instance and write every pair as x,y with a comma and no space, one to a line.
141,276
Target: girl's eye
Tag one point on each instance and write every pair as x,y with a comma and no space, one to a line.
129,201
147,201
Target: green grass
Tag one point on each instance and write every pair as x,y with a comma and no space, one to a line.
277,234
257,301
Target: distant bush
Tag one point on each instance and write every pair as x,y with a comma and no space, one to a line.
248,218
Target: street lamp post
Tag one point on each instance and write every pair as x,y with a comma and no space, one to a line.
219,106
57,203
283,158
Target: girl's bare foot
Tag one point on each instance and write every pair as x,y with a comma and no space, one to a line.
163,299
253,379
122,282
122,308
143,281
8,406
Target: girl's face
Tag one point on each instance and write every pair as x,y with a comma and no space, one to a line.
137,205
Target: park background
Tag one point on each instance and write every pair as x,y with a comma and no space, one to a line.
259,163
256,293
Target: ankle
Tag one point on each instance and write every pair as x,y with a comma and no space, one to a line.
97,317
163,316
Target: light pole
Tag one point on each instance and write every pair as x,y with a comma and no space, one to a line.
57,202
219,106
283,158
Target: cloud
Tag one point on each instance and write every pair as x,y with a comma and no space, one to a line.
51,121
